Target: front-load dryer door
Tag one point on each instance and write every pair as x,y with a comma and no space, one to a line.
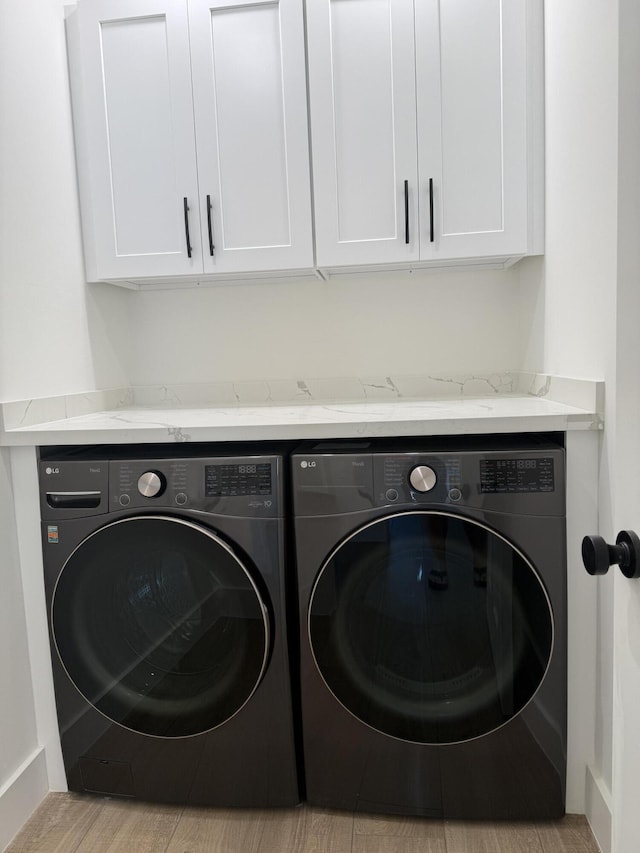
160,626
430,627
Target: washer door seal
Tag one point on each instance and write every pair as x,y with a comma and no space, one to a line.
160,625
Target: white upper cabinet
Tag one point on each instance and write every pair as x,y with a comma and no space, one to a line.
191,136
440,100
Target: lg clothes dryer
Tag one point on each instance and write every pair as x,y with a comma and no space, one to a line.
165,584
432,626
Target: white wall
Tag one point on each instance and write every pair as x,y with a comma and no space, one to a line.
532,313
56,335
430,323
17,732
22,769
581,45
577,281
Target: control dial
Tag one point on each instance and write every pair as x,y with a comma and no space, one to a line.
151,484
422,478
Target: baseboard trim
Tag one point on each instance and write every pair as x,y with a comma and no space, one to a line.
21,795
598,809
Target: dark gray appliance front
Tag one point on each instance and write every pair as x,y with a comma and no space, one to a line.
432,606
165,586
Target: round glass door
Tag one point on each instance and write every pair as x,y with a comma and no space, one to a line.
160,626
430,628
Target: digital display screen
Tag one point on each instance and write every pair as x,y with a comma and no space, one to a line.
237,480
504,476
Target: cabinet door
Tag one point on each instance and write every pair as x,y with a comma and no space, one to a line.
133,111
471,81
363,130
249,87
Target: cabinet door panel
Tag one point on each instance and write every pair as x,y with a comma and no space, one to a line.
362,102
137,149
472,178
250,96
364,142
472,125
138,113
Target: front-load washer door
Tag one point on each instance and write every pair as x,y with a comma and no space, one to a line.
430,627
160,626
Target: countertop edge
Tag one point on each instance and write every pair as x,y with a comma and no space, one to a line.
337,421
510,401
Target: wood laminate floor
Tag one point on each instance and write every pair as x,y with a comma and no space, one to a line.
72,823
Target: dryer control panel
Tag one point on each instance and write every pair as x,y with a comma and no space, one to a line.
518,481
528,481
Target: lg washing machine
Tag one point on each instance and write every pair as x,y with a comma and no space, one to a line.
432,608
165,584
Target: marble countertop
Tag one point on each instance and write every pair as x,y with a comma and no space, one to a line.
387,407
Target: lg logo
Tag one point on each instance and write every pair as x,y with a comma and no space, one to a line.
305,464
51,470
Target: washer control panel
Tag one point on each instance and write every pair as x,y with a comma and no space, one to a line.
242,486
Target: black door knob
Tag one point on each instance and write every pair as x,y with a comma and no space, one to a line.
597,555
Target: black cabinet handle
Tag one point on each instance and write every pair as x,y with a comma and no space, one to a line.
431,210
406,212
597,555
186,226
209,209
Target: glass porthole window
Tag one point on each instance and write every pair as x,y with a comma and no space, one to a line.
430,627
160,626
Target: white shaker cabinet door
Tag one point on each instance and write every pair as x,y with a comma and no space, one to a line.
249,87
471,82
363,130
135,146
